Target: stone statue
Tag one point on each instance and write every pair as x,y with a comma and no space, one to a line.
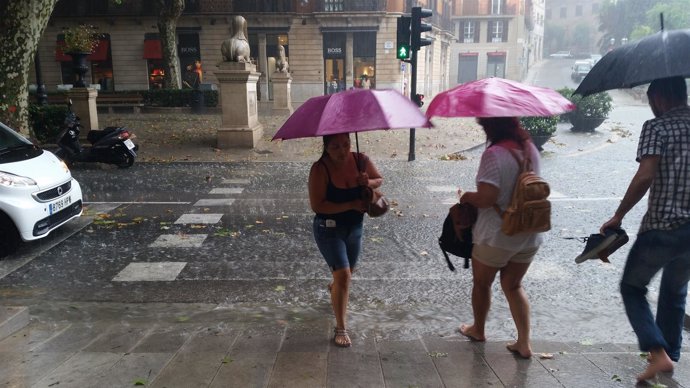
236,48
282,65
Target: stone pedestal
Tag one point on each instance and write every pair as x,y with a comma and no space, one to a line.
282,102
240,127
84,106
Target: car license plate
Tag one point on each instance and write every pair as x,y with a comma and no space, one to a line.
60,204
129,144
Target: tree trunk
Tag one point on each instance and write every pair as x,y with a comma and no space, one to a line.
23,22
169,13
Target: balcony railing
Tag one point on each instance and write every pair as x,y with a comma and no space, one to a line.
351,5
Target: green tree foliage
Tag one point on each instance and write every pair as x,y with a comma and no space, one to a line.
618,19
676,15
634,19
22,25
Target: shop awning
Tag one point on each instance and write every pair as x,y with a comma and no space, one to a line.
100,53
152,49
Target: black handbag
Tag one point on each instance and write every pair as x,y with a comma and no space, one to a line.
456,236
378,205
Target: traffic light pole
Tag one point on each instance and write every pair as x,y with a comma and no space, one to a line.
417,27
413,96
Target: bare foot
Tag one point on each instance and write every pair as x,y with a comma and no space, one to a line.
659,362
470,332
522,351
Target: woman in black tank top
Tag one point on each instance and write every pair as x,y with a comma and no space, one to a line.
335,186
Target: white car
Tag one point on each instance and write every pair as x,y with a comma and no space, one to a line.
594,58
561,54
37,191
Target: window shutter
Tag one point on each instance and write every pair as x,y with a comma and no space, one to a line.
505,30
461,35
476,31
488,31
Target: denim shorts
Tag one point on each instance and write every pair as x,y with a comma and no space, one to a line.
339,244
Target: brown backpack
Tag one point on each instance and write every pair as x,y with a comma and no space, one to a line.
529,210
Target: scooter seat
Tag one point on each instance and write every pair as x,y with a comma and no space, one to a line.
95,135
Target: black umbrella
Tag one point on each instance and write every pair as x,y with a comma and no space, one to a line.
661,55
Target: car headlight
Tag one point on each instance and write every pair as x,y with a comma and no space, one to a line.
11,180
64,166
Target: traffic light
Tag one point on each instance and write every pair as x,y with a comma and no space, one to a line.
403,48
418,27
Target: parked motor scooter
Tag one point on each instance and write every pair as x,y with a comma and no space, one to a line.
111,145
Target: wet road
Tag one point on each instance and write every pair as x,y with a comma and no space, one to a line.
239,235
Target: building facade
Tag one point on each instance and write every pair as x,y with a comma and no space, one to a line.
573,25
496,38
331,45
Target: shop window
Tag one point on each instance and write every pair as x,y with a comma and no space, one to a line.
156,74
364,60
496,64
190,57
334,62
153,53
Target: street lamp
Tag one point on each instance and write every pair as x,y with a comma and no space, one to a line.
612,41
624,41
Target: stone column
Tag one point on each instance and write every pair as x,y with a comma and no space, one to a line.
84,106
263,65
240,127
282,102
349,61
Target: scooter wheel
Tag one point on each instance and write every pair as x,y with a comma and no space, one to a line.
127,160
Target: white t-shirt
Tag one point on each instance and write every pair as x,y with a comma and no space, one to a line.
499,168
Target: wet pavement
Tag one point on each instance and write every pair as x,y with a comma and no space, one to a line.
205,274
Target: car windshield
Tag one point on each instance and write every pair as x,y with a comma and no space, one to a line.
10,139
14,147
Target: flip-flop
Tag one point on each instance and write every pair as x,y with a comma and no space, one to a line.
342,333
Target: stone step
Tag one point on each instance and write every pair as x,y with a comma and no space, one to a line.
12,319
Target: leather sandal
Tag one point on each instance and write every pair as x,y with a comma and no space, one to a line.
341,338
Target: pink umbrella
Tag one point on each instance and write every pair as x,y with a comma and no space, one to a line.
355,110
498,97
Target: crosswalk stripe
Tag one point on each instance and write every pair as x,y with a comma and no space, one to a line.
193,218
215,202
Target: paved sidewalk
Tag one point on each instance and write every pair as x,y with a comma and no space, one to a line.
115,345
73,344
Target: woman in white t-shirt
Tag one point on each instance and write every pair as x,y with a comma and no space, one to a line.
495,252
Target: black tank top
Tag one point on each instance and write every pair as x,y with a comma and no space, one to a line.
337,195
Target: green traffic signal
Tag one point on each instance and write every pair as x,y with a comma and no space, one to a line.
403,51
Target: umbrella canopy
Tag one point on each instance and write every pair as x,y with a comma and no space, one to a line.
355,110
498,97
661,55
